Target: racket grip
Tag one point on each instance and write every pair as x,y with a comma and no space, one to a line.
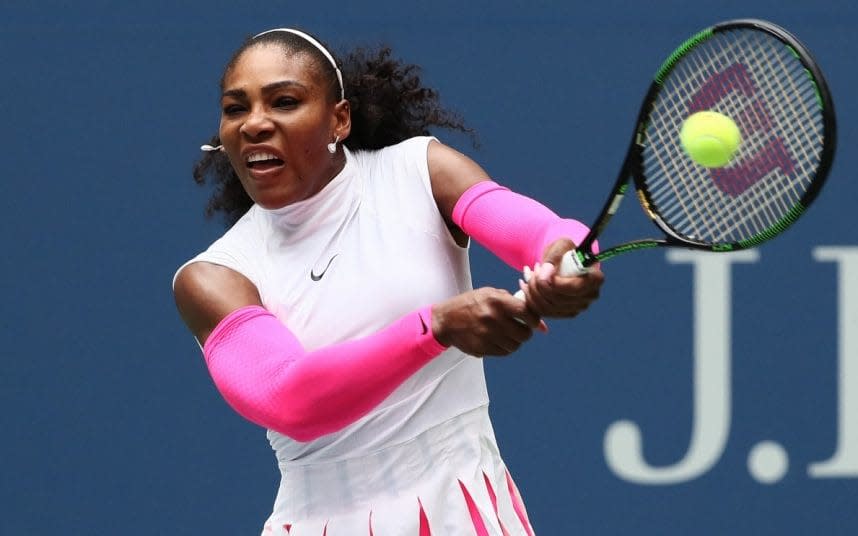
569,266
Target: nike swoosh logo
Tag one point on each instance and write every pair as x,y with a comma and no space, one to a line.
315,277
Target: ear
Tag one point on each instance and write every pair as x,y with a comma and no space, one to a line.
342,119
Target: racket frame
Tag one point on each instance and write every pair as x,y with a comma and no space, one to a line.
633,163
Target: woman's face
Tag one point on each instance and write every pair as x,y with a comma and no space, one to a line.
276,123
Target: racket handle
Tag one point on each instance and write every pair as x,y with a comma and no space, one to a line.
569,266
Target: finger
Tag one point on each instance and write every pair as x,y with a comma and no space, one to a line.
553,302
520,311
523,293
498,348
514,331
541,326
555,251
540,298
546,272
514,335
526,297
586,284
585,287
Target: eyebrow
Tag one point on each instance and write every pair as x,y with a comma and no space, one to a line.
270,88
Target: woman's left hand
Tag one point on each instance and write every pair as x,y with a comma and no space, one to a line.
551,295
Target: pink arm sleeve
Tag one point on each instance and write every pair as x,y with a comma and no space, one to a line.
264,373
515,228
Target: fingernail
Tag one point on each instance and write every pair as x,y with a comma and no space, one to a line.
528,273
543,327
546,271
522,285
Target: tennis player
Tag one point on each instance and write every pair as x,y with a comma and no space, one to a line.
338,312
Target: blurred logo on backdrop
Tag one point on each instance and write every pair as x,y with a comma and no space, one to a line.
768,461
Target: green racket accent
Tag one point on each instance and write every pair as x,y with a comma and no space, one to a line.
794,52
690,43
816,88
809,76
739,69
776,229
624,248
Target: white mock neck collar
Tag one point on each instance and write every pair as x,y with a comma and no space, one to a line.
333,202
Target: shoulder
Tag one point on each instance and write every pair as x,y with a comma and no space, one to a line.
236,248
400,163
416,147
201,279
412,150
221,279
205,293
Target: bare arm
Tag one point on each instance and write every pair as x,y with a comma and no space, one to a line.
451,173
515,222
479,322
206,293
266,375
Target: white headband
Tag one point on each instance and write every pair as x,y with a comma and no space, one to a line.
316,44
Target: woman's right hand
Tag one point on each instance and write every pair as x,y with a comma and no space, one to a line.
484,321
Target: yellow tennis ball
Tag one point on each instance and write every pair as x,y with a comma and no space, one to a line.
710,139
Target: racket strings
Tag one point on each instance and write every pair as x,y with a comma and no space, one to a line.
759,206
756,80
753,211
688,204
707,204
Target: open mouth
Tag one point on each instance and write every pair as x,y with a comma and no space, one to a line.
263,161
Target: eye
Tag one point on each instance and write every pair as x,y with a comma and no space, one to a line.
232,109
285,102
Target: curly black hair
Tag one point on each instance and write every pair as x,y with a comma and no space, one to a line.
388,100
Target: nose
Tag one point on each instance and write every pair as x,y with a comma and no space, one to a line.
257,123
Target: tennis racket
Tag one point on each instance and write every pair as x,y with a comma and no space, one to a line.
766,81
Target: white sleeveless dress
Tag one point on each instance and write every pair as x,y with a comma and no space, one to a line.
368,249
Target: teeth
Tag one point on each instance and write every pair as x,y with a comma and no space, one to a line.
258,157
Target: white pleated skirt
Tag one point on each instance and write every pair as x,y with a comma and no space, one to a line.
448,481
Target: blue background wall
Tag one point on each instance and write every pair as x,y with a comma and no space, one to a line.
110,424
